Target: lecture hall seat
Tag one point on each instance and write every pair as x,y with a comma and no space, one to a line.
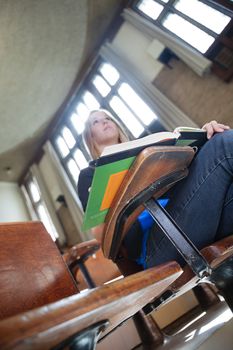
40,307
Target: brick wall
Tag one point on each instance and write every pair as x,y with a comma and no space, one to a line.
202,99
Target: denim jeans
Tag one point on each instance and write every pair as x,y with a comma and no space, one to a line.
202,203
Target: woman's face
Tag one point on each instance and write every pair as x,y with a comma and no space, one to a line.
103,130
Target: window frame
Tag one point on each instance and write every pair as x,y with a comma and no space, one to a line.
34,205
169,8
87,85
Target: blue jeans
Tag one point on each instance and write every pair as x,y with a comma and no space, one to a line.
202,203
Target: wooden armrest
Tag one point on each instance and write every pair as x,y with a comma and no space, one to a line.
156,169
215,254
80,251
218,251
47,326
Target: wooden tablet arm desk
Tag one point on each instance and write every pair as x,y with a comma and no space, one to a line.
154,171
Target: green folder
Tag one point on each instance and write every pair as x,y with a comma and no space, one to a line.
117,162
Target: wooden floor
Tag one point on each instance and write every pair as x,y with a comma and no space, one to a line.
211,331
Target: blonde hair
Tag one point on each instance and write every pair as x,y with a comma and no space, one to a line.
88,139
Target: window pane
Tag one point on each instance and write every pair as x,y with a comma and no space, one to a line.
44,217
90,101
188,32
34,192
77,123
82,111
73,169
80,159
139,107
101,85
126,116
62,146
109,73
150,8
204,14
68,136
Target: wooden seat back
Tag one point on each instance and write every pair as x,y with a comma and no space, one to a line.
32,271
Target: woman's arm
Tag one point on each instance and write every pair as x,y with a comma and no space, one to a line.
213,127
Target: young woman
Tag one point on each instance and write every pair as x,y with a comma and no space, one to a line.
201,204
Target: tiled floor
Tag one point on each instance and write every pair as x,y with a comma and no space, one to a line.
211,331
198,334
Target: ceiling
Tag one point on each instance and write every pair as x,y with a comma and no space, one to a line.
43,45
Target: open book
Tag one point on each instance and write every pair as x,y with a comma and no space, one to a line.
115,161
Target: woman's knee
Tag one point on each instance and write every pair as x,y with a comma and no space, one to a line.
225,137
223,142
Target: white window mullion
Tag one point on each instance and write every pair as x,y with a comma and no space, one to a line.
169,114
35,171
194,59
203,14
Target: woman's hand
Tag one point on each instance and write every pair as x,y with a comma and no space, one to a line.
213,127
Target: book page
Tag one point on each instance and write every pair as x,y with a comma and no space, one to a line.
187,128
144,141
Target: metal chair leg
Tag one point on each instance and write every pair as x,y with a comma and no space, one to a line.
84,340
222,277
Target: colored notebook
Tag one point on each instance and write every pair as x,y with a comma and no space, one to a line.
114,163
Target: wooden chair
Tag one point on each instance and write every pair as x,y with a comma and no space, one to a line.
76,257
40,307
154,171
88,265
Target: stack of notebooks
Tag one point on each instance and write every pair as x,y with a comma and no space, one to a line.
115,161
